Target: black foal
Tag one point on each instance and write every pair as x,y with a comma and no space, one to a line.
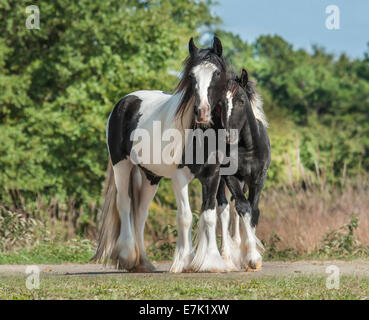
244,112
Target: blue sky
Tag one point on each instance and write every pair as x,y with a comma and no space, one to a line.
300,22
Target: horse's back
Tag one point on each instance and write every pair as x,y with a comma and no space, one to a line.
142,110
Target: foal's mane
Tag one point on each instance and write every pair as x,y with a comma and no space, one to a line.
254,97
185,84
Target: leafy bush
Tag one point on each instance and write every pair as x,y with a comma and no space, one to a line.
16,229
343,242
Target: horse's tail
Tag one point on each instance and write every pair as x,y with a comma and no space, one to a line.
110,221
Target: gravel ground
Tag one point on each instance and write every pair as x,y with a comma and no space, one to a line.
360,268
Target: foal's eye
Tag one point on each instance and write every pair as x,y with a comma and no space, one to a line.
242,102
217,73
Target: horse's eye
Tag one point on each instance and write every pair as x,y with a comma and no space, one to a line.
217,73
242,102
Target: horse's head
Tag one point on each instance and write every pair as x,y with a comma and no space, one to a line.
204,80
233,113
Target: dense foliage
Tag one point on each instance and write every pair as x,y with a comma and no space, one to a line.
59,83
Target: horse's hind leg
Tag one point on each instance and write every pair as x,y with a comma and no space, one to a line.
126,249
147,192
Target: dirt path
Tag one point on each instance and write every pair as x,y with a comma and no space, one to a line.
360,268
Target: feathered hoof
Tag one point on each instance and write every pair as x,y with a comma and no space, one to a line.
181,264
144,267
126,256
212,262
254,267
230,265
254,262
124,264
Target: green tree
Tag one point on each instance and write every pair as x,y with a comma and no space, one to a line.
59,83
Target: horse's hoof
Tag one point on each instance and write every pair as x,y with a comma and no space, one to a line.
230,265
181,263
254,267
143,268
212,263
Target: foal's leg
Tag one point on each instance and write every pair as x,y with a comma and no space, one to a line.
126,249
207,258
146,192
229,251
183,254
254,197
235,220
250,256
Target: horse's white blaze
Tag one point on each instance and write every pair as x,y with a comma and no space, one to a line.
203,75
230,104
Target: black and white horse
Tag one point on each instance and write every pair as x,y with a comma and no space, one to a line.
243,111
155,117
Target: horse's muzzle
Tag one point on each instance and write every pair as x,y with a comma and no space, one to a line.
203,115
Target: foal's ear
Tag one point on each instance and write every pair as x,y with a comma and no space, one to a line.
244,78
192,48
217,46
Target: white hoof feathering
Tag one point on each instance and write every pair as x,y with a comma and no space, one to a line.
251,257
230,251
182,261
207,258
126,255
231,254
253,260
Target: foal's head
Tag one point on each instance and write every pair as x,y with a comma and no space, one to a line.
203,80
240,92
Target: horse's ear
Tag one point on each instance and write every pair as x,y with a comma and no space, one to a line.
217,46
192,48
244,78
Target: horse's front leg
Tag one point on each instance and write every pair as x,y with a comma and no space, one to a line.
183,254
229,250
250,256
207,257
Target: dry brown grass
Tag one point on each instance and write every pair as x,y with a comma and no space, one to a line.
301,218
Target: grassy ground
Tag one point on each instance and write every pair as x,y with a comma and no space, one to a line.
46,252
183,287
